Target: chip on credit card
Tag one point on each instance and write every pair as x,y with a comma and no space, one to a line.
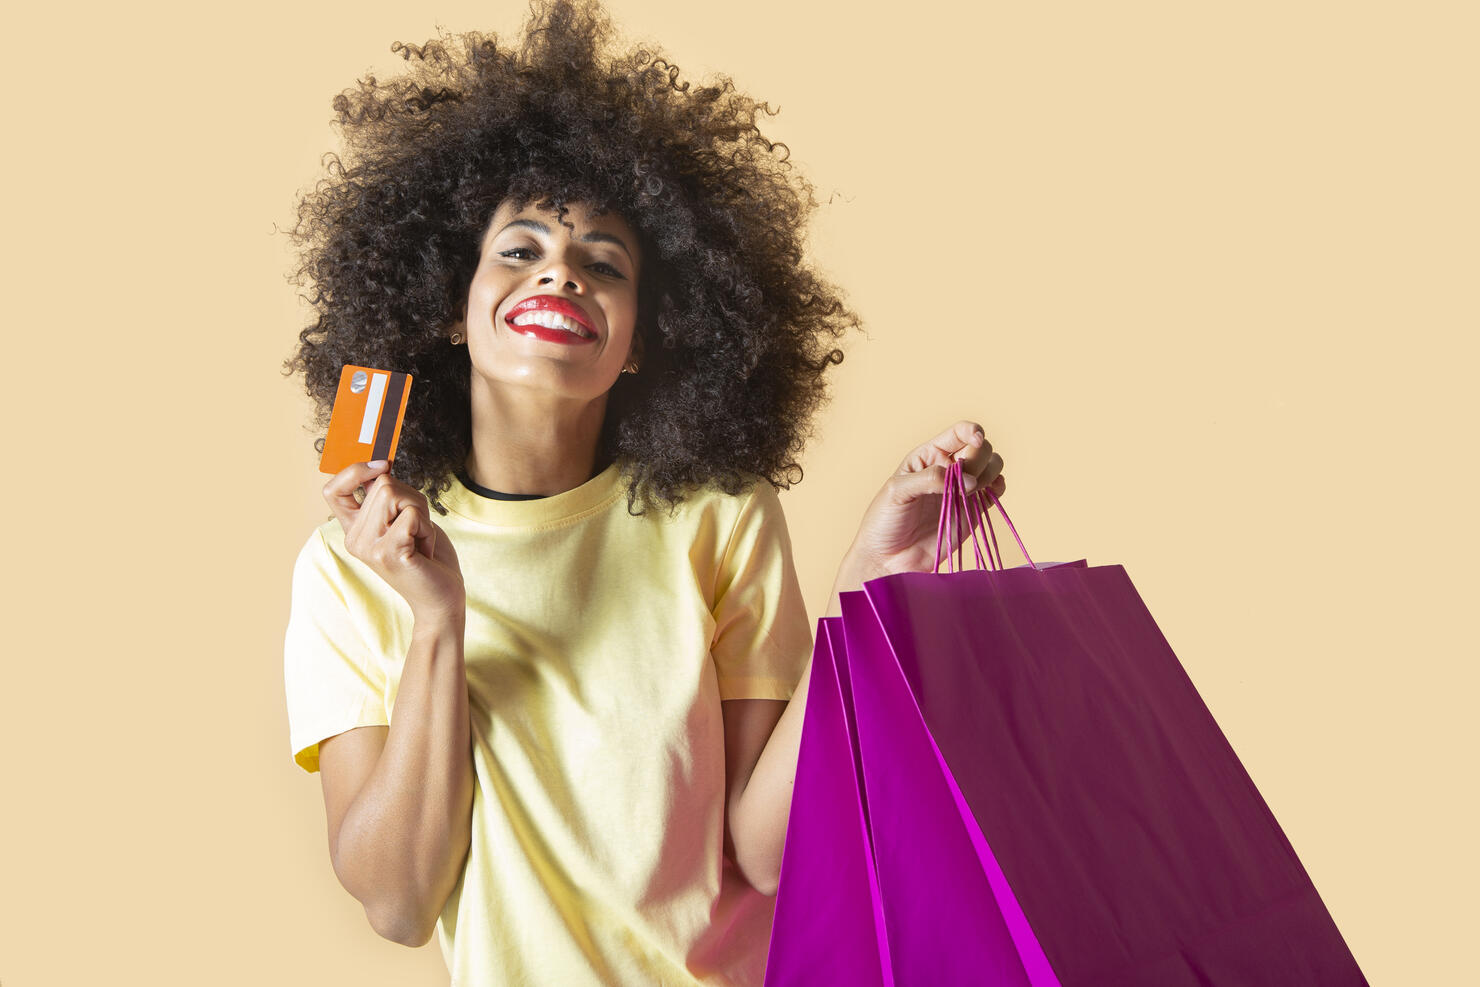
365,422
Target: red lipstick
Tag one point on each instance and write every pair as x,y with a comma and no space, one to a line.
559,306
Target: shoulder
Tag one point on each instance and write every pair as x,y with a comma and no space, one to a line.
757,503
711,523
324,549
324,564
747,522
745,501
744,492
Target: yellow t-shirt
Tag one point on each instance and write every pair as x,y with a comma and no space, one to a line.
599,646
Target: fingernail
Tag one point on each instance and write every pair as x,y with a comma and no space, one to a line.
376,464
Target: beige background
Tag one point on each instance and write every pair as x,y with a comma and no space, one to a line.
1206,276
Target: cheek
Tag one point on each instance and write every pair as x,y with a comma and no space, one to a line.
481,296
488,289
628,314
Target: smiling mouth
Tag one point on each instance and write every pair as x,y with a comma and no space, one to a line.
553,321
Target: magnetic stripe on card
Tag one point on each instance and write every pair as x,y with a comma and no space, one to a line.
390,409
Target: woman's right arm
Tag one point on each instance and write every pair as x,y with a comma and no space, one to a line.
399,799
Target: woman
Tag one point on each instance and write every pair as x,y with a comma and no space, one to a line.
560,724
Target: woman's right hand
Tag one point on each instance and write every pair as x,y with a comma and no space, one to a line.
392,532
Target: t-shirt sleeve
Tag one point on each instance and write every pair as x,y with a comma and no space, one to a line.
762,635
332,682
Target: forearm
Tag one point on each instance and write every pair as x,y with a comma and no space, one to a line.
852,574
759,826
404,839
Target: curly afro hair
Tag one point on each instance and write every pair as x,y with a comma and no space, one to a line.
735,327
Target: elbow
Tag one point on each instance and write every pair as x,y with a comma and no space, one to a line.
758,846
763,875
769,886
396,908
389,913
401,916
418,937
401,926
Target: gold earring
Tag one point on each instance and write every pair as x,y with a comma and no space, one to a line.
456,338
630,368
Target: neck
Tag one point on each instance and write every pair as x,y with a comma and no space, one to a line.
530,442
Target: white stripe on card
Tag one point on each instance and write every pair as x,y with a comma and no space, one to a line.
372,408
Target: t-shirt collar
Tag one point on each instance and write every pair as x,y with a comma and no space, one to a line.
592,494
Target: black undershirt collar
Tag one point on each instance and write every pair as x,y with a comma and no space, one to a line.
483,491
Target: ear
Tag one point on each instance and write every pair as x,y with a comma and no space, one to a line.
455,333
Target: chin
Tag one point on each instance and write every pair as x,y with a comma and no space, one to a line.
575,383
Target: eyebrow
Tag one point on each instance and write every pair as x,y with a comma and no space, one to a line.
593,237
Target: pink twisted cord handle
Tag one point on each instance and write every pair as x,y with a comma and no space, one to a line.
957,517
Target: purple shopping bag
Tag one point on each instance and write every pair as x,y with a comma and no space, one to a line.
1048,800
829,924
1132,840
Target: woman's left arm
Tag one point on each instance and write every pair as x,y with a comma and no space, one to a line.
764,736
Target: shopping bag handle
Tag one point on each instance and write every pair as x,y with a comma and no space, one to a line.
954,504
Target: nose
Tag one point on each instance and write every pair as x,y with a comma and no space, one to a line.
559,272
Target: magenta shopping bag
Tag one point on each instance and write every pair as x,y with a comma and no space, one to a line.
1047,799
829,924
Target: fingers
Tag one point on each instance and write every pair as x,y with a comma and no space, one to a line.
385,503
404,540
905,487
966,441
423,532
901,488
392,521
443,550
986,474
340,490
964,435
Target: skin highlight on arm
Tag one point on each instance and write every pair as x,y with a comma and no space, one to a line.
763,739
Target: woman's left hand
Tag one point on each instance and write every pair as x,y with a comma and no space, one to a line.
898,531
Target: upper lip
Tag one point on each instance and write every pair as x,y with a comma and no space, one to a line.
553,303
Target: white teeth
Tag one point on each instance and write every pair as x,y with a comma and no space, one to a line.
550,320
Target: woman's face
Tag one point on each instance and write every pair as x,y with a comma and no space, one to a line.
553,308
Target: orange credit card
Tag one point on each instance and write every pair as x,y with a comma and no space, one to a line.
366,420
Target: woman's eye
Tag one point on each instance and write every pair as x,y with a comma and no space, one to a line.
524,253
